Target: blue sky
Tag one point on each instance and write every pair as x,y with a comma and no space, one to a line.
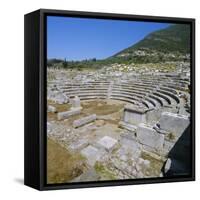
81,38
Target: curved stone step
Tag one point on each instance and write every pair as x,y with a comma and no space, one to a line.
168,89
172,95
161,101
167,98
152,101
125,100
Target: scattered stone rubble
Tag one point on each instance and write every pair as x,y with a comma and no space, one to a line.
156,114
67,114
85,120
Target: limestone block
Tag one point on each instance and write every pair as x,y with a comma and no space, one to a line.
92,154
174,123
148,136
108,143
134,115
129,147
78,145
75,101
57,97
67,114
85,120
51,109
127,126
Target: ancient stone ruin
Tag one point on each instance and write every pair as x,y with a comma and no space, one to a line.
125,125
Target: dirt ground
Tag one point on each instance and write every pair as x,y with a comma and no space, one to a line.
62,168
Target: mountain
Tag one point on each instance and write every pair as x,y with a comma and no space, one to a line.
165,45
169,44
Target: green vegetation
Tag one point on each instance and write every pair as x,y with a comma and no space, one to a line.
105,173
171,136
175,38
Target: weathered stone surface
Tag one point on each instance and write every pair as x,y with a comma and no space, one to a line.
48,127
167,165
129,147
89,175
135,88
64,115
146,163
57,97
51,109
134,115
78,145
153,155
85,120
99,122
127,126
75,101
108,143
148,136
174,123
92,154
140,175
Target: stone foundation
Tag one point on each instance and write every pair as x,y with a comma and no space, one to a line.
174,123
67,114
85,120
148,136
134,115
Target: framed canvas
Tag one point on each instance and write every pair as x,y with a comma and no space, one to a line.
109,99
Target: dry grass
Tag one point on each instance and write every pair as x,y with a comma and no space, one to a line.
101,107
59,108
62,166
155,166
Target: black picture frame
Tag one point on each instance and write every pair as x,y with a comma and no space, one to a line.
35,54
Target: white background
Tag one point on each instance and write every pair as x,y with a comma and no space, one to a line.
12,108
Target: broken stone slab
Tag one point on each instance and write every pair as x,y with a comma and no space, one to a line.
123,166
107,143
92,154
51,109
57,97
128,136
67,114
127,126
148,136
142,165
129,146
131,152
174,123
153,155
75,101
85,120
78,145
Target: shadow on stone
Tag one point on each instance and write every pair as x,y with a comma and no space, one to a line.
179,158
